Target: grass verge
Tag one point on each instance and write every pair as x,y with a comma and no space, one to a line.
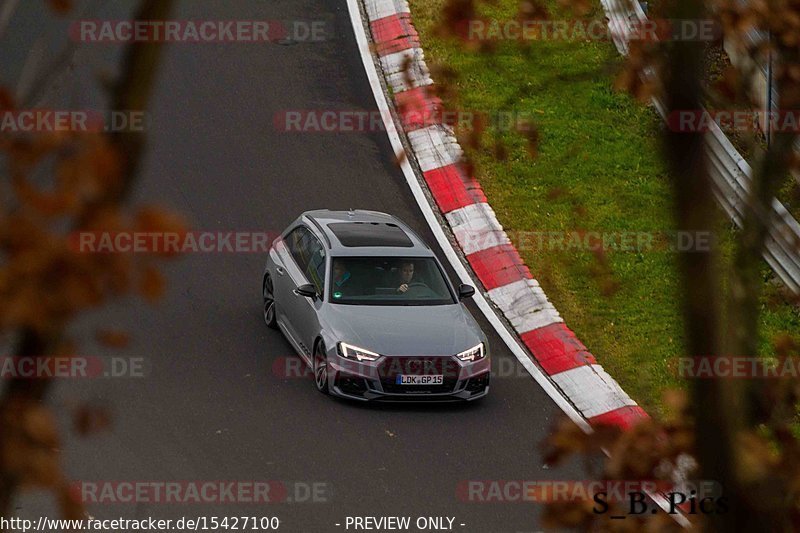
599,168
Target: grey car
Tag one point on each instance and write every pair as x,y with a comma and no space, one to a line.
367,305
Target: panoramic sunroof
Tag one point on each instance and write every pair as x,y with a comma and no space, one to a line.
354,234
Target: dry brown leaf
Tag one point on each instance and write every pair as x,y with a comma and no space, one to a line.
90,419
60,7
152,284
113,338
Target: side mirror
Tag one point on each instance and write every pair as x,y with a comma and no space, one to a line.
307,290
465,291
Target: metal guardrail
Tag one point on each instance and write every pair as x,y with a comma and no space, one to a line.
730,173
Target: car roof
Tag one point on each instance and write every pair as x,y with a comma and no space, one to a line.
368,233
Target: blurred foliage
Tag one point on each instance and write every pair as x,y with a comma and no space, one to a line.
742,435
56,185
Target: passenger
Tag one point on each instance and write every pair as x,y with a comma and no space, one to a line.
341,276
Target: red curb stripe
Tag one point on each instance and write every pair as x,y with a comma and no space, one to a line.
557,349
452,189
498,266
394,33
417,109
555,346
624,417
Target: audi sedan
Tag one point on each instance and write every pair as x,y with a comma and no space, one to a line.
367,305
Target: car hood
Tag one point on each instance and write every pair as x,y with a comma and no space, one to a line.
405,330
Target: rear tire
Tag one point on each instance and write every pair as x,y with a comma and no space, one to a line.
270,307
320,368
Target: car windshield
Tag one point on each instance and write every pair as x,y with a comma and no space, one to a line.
388,281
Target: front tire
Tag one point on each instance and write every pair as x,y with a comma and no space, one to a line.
320,368
270,311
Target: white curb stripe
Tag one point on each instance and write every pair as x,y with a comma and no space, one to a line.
592,390
435,147
406,66
441,238
525,305
476,228
378,9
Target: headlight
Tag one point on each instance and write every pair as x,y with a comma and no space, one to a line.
348,351
473,354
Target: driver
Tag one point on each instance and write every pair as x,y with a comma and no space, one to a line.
406,275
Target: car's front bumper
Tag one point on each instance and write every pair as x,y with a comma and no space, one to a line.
376,381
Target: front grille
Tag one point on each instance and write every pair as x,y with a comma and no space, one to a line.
391,367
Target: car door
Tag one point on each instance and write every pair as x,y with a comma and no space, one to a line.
300,268
289,274
308,308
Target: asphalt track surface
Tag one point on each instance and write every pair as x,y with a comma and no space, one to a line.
212,406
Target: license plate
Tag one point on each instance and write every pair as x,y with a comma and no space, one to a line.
408,379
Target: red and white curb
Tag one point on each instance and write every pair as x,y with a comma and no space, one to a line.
488,250
496,263
566,371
